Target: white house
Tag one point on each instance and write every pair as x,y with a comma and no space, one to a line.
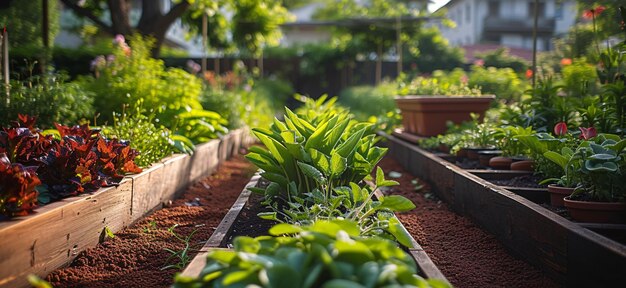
507,22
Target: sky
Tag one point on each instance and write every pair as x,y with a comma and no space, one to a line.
436,4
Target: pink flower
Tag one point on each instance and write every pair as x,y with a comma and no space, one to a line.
587,133
479,62
560,129
119,39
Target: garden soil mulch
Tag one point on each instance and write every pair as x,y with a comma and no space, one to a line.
135,256
467,255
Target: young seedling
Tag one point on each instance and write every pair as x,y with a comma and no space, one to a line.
183,254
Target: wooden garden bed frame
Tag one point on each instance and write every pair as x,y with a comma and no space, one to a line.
568,252
218,239
54,234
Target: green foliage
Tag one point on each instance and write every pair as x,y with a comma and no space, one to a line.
373,104
134,75
436,86
200,126
430,51
152,142
264,30
324,254
182,256
49,97
579,78
500,58
23,22
502,82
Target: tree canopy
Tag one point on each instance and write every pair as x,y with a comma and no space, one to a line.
254,22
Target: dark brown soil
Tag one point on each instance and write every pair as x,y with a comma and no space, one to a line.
465,254
136,256
526,181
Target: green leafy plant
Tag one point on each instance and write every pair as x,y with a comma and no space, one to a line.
200,126
436,87
49,97
182,256
324,254
153,143
17,187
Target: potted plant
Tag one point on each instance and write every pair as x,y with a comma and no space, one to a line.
507,140
601,195
428,104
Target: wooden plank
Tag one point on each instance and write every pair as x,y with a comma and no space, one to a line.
196,265
426,265
147,191
535,195
223,229
56,233
498,174
176,170
204,160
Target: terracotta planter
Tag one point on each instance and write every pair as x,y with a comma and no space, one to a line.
500,163
596,212
428,115
524,165
557,193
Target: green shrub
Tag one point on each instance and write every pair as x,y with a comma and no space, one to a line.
503,82
152,142
373,104
500,58
132,75
437,86
579,78
49,97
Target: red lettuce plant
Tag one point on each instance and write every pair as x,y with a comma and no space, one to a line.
17,187
81,161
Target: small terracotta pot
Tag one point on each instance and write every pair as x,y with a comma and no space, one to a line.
596,212
557,193
500,163
524,165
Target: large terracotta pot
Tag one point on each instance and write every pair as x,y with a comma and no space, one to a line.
557,193
596,212
428,115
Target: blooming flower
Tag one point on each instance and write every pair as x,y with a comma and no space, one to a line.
560,129
587,133
193,67
566,61
479,62
593,12
529,73
98,62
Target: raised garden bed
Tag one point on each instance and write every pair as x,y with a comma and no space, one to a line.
220,238
53,235
567,251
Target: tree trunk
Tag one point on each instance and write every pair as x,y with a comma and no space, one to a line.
120,12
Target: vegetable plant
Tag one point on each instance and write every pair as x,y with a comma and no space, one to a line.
17,187
323,254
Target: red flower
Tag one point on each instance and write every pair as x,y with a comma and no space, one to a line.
566,61
593,12
560,129
529,74
587,133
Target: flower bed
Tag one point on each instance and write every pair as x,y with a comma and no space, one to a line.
56,233
568,252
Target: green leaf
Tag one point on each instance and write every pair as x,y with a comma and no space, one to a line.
312,172
284,228
600,167
342,283
402,235
556,158
346,149
272,190
108,232
257,190
320,160
238,276
338,164
277,178
380,176
602,156
396,203
268,216
282,275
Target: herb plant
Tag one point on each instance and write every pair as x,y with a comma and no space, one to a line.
324,254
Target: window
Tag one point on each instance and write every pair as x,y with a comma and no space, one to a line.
494,8
541,8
